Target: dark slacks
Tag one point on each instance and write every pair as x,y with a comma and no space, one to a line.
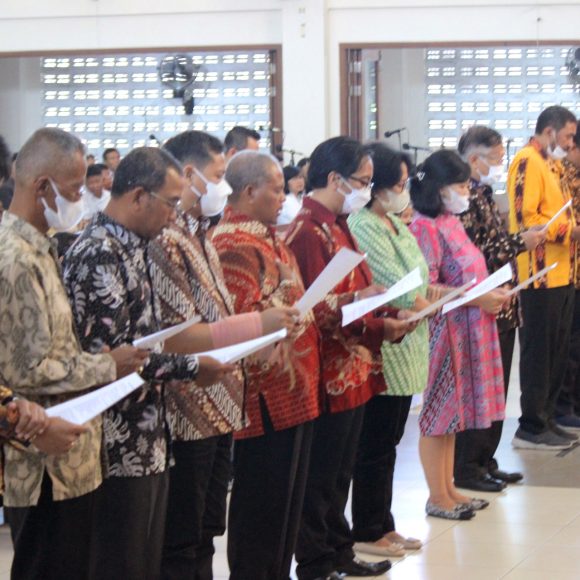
545,340
130,523
372,483
266,501
475,448
52,540
325,541
196,507
569,399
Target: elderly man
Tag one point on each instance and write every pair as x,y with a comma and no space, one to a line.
188,279
482,147
535,196
108,282
41,358
272,454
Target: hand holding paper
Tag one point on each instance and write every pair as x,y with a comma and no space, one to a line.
442,301
498,278
341,265
531,279
149,341
351,312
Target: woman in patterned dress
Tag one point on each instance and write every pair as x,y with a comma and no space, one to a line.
392,252
465,386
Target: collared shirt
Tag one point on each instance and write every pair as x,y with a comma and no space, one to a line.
571,184
485,228
350,360
535,196
108,283
93,204
188,280
42,360
286,377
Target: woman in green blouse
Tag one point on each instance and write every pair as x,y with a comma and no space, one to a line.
392,252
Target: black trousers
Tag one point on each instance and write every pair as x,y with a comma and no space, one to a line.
196,507
569,399
325,540
545,339
475,448
266,501
372,482
52,540
130,523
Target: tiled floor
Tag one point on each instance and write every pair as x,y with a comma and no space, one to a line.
529,532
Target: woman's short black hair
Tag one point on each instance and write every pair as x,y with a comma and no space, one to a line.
342,155
440,169
290,172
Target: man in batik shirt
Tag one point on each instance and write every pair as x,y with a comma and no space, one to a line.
272,453
188,279
481,147
108,282
41,359
568,404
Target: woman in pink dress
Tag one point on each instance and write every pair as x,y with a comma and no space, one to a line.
465,387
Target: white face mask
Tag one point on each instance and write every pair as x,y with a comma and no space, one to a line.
356,199
494,175
216,197
396,202
557,153
292,205
455,203
68,213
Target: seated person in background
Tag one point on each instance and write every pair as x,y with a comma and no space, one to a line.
294,189
95,196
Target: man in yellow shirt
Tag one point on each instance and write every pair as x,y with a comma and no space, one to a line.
535,196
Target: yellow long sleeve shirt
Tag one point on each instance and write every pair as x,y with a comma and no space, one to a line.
535,196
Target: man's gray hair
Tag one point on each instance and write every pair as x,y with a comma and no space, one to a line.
249,167
47,151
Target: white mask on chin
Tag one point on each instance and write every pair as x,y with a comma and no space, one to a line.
455,203
356,199
68,213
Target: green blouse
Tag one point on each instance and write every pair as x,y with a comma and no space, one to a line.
390,256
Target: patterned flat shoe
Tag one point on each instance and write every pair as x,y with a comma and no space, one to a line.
476,504
459,512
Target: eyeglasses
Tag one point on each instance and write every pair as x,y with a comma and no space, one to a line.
172,203
363,182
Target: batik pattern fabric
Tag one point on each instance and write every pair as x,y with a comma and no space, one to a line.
535,196
188,281
465,388
350,360
391,255
42,360
286,376
571,185
485,228
109,286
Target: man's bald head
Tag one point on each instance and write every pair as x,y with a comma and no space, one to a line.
250,168
47,152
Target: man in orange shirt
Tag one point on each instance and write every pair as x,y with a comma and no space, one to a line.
535,196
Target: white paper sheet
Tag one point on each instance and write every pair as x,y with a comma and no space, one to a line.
149,341
442,301
351,312
235,352
341,265
87,407
498,278
531,279
557,214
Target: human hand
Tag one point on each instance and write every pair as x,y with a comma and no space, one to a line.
275,319
287,274
371,290
532,238
212,371
59,436
129,359
396,328
32,419
492,302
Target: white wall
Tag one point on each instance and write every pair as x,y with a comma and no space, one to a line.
310,32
